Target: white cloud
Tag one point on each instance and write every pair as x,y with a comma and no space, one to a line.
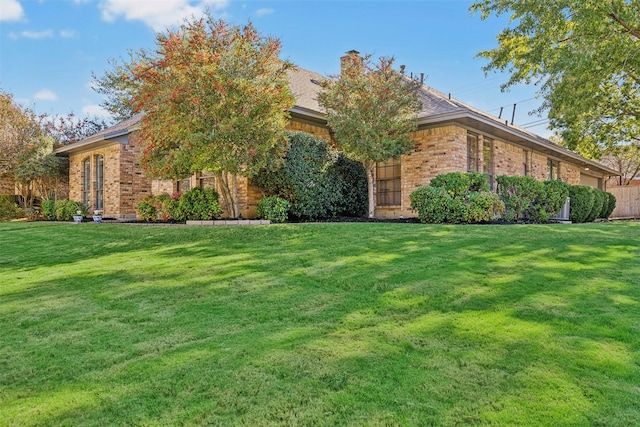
11,10
95,111
46,95
35,35
264,11
157,14
67,34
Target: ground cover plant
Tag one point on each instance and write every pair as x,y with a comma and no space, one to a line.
319,324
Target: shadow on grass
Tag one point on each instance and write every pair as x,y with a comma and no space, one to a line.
323,324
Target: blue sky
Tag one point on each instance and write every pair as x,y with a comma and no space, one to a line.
50,48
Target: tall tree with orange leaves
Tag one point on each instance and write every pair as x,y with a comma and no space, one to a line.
214,97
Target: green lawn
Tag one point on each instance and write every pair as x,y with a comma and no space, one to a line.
319,324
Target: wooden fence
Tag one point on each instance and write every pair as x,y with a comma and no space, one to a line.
627,201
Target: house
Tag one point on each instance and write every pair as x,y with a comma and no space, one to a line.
105,171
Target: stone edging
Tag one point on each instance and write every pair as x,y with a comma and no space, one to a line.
231,222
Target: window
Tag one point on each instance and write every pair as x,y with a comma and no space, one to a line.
86,180
183,185
206,180
525,163
388,182
487,159
472,152
99,182
553,169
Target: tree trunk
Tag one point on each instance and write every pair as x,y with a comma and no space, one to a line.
371,187
228,194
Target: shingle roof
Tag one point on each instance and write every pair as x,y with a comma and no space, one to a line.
437,107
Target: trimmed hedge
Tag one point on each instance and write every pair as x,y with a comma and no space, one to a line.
609,206
194,204
198,204
456,198
582,199
598,203
318,181
273,208
528,199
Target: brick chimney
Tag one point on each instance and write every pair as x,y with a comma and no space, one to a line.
350,57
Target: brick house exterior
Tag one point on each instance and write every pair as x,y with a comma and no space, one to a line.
451,137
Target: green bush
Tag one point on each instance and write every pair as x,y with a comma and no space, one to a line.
318,181
609,206
555,196
483,206
598,203
456,198
49,209
9,209
459,184
198,204
147,210
273,208
169,206
522,196
433,204
582,200
66,209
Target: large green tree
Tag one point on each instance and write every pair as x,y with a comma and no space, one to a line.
585,57
371,109
214,98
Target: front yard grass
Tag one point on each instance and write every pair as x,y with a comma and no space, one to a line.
319,324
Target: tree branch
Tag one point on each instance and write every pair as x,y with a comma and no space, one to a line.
633,31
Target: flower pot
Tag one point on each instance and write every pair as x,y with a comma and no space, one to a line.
77,219
97,219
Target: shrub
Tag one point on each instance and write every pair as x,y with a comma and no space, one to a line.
521,196
49,209
582,199
170,203
66,209
609,206
198,204
351,185
433,204
483,207
555,196
9,209
147,210
459,184
598,203
273,208
318,181
437,204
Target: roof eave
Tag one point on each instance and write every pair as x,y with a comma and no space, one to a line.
96,141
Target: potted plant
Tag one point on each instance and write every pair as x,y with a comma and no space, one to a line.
77,218
97,216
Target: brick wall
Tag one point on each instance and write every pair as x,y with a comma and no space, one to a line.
111,189
444,149
436,151
7,186
125,184
134,184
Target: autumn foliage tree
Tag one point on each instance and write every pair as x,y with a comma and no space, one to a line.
27,158
214,98
371,109
585,58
